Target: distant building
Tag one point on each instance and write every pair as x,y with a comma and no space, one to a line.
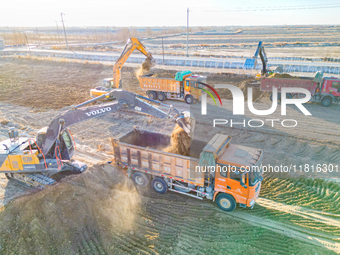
2,44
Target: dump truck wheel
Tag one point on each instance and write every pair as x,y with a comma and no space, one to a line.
226,202
159,185
326,101
152,95
140,179
161,96
189,99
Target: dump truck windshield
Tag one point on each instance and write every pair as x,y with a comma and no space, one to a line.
255,175
202,79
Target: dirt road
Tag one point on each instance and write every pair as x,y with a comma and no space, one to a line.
99,212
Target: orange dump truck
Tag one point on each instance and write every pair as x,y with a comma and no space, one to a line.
219,171
185,86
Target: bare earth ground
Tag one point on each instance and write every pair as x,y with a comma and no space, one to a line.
100,212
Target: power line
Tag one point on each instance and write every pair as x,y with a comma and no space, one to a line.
277,8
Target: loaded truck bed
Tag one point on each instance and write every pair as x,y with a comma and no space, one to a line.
142,149
324,90
159,84
267,84
185,86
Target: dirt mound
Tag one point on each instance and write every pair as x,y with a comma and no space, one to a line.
283,75
76,216
180,142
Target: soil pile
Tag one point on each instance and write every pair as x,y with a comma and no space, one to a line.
77,216
180,142
283,75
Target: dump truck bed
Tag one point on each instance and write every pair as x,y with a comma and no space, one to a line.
147,82
143,150
267,84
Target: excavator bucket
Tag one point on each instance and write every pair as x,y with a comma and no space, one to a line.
187,122
148,63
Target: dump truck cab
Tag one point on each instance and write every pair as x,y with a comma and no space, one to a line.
239,174
193,88
328,91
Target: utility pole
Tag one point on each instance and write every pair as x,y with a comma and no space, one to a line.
56,22
61,14
29,48
188,32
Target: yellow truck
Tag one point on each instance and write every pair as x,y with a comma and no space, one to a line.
226,173
185,86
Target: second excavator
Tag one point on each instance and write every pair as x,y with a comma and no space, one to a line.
36,162
115,82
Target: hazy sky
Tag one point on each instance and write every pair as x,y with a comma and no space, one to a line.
168,12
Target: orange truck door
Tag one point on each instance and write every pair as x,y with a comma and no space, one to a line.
238,183
186,87
195,91
230,182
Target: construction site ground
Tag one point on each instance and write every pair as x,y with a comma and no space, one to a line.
101,212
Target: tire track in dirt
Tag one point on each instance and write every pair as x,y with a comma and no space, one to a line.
319,195
221,227
286,230
311,216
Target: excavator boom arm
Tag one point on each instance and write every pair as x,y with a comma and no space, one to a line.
124,99
251,62
127,51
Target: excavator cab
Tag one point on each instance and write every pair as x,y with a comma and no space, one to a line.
100,90
63,148
108,83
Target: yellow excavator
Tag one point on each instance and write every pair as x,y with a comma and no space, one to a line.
115,81
44,160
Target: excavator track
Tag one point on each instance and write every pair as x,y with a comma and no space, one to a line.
33,180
